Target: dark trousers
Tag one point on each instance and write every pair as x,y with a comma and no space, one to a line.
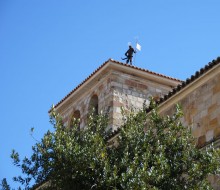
129,59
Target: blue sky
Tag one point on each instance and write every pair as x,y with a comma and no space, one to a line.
48,47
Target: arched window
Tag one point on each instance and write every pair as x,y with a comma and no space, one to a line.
93,105
75,119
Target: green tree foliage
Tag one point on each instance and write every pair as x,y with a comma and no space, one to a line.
152,152
5,185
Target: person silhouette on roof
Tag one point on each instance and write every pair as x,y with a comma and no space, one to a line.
129,54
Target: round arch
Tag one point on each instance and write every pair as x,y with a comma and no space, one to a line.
75,119
93,105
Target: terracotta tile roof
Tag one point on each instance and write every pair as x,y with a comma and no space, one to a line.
145,70
116,62
185,83
188,81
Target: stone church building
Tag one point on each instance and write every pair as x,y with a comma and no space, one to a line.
114,85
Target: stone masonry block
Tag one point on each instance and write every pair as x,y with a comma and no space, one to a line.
100,87
131,83
216,98
118,110
209,135
201,141
125,86
216,88
142,86
208,102
207,97
213,123
215,114
212,108
203,113
217,132
218,120
140,99
198,131
116,84
138,105
135,94
158,90
117,104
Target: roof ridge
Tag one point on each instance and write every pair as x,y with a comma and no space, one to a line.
145,70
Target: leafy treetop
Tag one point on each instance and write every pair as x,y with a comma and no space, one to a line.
152,152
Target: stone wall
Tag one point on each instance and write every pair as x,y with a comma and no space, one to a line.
202,111
115,90
130,92
103,91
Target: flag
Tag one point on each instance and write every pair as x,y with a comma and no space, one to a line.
138,47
